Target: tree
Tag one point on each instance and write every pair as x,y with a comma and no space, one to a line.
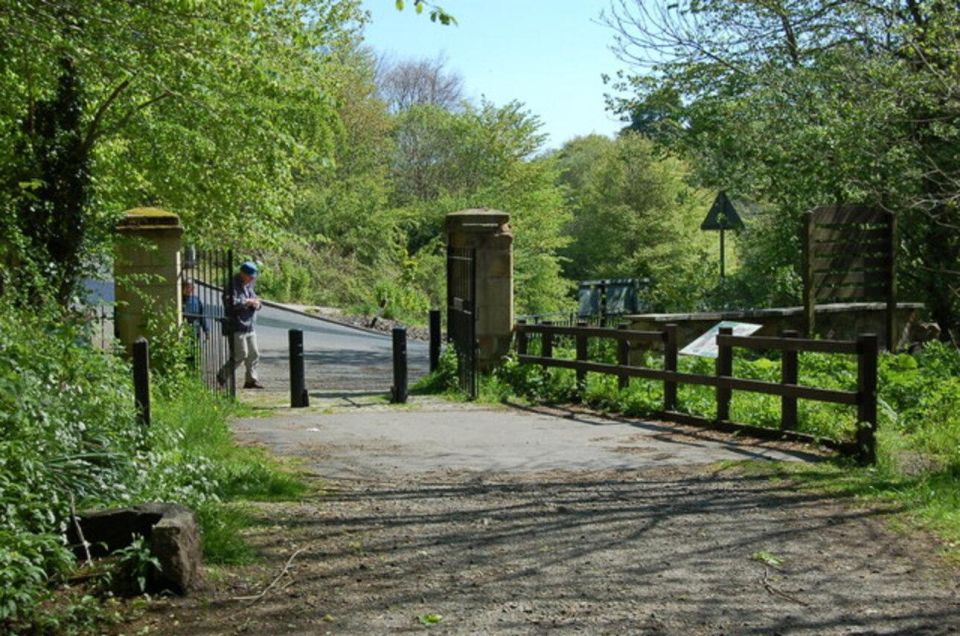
342,236
408,83
208,108
814,102
437,13
482,157
634,216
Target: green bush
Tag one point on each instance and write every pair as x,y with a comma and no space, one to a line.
919,395
68,431
444,379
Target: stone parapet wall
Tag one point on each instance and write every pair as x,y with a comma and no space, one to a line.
841,321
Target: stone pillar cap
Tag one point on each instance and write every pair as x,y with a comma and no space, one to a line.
139,219
480,217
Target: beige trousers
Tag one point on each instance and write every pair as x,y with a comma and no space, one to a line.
245,352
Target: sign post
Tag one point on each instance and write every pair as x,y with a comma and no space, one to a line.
721,217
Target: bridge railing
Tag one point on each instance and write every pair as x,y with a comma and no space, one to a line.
864,398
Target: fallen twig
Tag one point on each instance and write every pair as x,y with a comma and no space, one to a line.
286,568
777,592
76,525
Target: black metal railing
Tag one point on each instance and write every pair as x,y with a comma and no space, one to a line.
210,344
462,314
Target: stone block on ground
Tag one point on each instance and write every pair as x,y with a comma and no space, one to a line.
170,531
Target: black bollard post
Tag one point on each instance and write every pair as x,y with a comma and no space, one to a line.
398,394
434,339
141,379
299,397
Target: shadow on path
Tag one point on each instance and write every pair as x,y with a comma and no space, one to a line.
668,551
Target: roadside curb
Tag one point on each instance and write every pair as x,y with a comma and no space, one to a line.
281,306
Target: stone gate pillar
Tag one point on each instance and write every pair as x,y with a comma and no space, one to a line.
488,232
146,271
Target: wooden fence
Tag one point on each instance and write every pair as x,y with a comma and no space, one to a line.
864,398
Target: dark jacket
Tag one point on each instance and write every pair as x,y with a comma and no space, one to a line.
240,317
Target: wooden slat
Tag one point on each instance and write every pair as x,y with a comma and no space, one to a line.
593,332
850,234
850,294
866,278
849,214
740,384
851,250
634,372
789,390
835,263
773,343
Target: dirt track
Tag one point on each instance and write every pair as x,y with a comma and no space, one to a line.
683,549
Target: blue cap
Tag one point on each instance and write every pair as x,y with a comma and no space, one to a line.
249,268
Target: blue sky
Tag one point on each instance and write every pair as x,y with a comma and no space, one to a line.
548,54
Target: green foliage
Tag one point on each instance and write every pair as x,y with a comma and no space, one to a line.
209,108
805,104
68,431
482,157
769,252
137,562
919,396
444,379
635,216
369,233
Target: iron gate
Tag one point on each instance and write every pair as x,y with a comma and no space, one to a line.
210,346
462,314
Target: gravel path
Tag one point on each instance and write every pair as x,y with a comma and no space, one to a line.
644,545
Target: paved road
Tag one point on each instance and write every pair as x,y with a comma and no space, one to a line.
338,357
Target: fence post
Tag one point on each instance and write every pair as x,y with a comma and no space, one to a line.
623,357
546,344
399,392
231,340
670,364
521,338
434,339
141,379
581,343
789,374
299,397
867,347
724,368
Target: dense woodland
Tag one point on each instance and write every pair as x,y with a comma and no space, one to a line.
274,128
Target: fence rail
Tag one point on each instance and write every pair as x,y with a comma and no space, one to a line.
724,382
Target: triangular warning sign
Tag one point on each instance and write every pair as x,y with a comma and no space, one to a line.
722,215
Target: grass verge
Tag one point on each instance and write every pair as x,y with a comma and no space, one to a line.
928,501
194,428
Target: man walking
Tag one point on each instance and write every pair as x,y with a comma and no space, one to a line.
241,305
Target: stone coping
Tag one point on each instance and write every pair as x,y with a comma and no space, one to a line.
149,219
477,218
773,312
